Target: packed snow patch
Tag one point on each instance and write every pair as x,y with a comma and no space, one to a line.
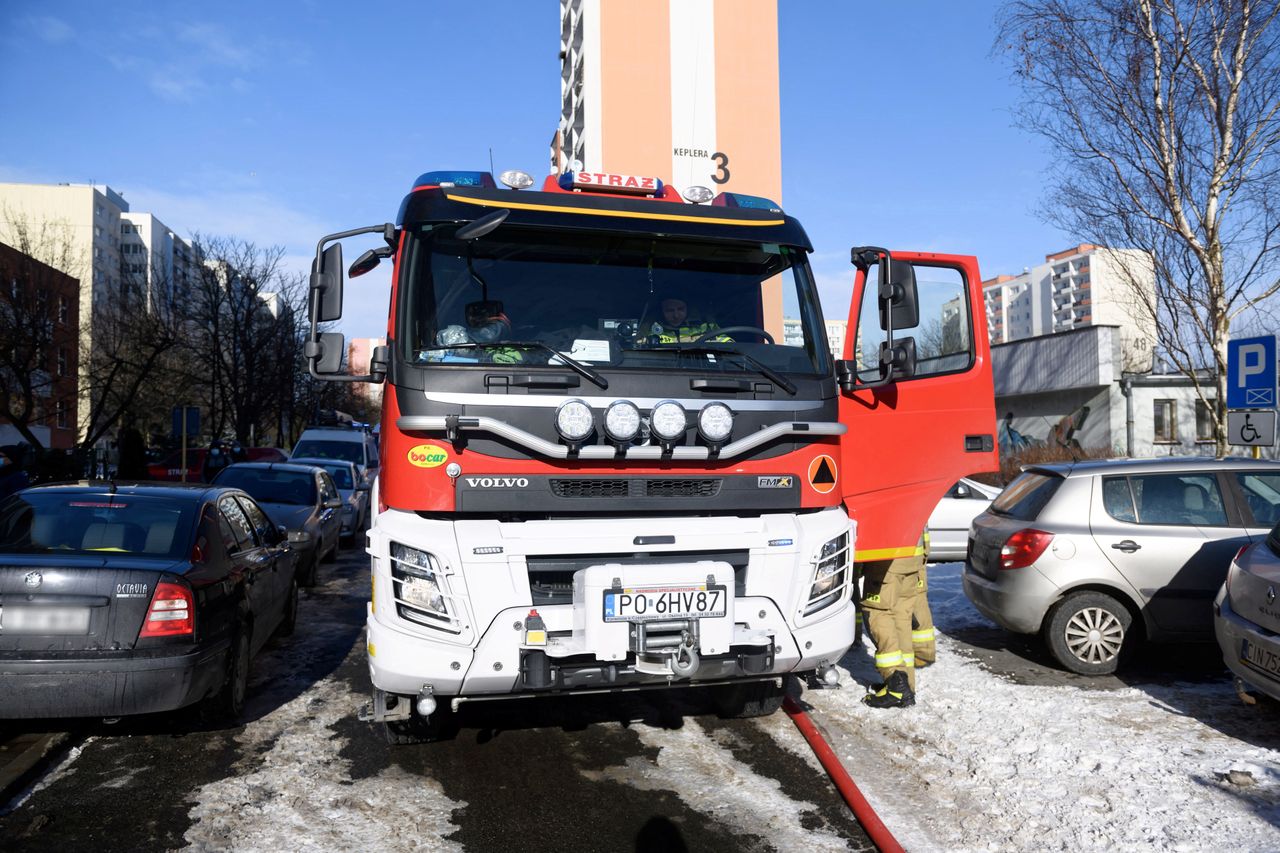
708,779
981,763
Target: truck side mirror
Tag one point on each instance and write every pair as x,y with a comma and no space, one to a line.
898,292
379,360
325,354
326,285
368,261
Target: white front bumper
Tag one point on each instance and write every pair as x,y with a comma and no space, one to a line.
489,595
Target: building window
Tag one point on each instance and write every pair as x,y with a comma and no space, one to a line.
62,361
61,409
1204,420
1165,422
63,308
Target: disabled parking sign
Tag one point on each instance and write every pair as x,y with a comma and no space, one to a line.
1251,373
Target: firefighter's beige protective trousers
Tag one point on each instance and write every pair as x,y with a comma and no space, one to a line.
889,592
922,631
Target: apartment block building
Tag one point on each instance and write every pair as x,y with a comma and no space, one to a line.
155,260
1082,286
686,90
88,232
39,310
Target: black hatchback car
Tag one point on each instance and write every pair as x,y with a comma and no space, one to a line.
136,598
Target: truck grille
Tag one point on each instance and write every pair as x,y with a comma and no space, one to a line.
602,487
590,488
551,576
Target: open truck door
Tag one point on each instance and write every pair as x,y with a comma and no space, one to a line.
916,393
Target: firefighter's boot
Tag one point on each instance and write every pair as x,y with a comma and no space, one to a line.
896,692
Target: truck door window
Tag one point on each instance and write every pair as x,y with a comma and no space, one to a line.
944,335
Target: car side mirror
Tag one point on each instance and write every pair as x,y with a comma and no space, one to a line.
333,503
963,491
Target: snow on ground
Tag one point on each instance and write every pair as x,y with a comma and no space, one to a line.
982,763
708,779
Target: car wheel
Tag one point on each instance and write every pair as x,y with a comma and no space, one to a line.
313,570
749,699
228,703
289,621
1087,632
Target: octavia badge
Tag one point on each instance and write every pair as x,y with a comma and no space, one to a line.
33,579
1271,595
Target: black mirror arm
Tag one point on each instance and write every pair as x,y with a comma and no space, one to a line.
312,348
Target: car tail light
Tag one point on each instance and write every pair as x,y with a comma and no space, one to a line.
1024,548
172,612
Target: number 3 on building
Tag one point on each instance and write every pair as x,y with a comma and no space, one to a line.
722,163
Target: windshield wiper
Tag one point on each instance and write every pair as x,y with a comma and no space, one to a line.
763,369
573,364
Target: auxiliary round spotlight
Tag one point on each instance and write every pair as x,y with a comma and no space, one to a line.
698,195
715,422
574,420
516,179
668,420
622,420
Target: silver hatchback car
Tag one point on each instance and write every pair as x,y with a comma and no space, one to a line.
1096,554
1247,617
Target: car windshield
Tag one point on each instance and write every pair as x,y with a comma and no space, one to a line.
348,451
76,523
271,485
610,300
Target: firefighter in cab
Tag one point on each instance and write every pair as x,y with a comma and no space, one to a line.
677,327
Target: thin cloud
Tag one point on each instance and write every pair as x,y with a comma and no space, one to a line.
216,46
50,29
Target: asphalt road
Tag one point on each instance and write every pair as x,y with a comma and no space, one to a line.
645,772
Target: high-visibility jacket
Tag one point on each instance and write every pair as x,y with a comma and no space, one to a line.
685,333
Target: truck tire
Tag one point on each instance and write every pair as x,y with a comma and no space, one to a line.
749,699
1088,633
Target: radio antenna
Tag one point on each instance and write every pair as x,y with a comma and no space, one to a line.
491,159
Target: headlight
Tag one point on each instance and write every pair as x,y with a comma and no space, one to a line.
622,420
415,579
715,422
299,537
668,420
574,420
830,574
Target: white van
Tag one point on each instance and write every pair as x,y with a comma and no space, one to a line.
339,442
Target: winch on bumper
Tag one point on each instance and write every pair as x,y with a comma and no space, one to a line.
635,623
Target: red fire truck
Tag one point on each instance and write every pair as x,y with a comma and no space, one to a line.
617,452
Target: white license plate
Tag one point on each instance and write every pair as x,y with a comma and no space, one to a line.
44,620
652,603
1260,658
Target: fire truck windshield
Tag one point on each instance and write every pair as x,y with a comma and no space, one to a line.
609,300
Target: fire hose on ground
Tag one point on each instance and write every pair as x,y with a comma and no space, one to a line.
875,828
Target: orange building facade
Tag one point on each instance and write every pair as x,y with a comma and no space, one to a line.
686,90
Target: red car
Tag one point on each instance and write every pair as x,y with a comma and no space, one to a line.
170,468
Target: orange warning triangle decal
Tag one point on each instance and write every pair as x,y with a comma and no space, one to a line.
822,474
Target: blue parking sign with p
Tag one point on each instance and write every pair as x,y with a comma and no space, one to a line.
1251,373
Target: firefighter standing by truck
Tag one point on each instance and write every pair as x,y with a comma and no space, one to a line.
892,591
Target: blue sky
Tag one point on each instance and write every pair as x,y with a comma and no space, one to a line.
281,122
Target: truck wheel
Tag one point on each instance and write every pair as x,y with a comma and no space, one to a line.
1087,633
749,699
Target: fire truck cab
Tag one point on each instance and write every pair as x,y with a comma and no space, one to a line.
617,452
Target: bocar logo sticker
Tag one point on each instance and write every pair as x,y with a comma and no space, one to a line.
428,456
